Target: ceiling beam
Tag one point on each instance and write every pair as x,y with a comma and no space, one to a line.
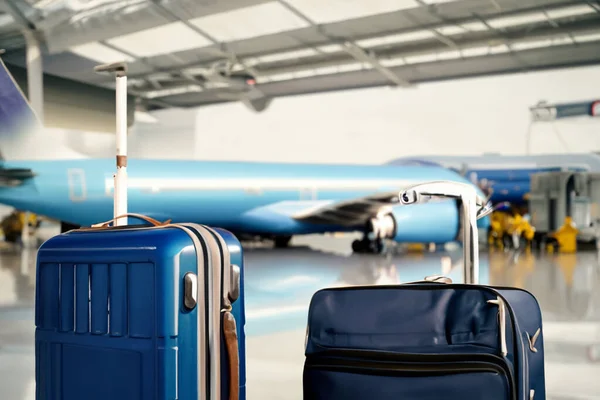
222,47
392,52
499,35
594,4
18,16
351,48
361,55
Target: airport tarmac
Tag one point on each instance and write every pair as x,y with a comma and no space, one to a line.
279,285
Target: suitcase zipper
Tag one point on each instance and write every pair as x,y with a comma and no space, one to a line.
429,369
388,363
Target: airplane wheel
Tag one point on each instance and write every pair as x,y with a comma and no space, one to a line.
282,242
357,246
368,246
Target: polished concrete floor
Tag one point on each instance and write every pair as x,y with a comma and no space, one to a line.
279,284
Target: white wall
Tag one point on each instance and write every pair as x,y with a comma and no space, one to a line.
170,137
467,116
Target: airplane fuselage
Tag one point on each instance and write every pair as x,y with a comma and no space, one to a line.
247,197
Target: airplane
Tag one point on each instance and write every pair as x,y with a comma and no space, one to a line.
266,200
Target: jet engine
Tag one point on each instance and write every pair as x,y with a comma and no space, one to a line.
434,222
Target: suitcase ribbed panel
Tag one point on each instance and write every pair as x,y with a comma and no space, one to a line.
104,319
104,299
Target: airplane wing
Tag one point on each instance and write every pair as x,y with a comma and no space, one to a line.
14,176
353,212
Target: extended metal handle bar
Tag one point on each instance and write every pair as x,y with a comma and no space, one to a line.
119,69
473,208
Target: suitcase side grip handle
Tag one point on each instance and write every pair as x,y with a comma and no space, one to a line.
132,215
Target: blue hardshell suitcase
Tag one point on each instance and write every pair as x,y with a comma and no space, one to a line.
426,340
138,312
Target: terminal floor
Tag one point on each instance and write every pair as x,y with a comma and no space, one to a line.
279,284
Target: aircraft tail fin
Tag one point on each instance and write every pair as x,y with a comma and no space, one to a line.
19,125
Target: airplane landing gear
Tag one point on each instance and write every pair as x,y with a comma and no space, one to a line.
379,228
282,242
368,246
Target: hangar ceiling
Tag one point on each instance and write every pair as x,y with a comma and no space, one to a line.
188,53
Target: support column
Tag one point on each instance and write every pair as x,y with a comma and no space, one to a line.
35,74
35,93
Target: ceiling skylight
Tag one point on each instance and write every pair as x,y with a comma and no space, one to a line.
475,26
448,55
572,11
421,58
172,91
263,19
392,62
531,45
451,30
328,11
306,73
330,48
516,20
164,39
459,29
6,19
276,77
100,53
333,69
288,55
393,39
586,37
437,1
499,49
351,67
475,51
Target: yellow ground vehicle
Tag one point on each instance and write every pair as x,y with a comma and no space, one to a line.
499,223
506,227
565,238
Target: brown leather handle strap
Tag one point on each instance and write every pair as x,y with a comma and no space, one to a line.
133,215
231,342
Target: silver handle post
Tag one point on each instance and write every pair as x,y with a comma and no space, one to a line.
120,178
473,208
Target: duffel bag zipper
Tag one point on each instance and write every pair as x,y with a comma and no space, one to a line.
416,368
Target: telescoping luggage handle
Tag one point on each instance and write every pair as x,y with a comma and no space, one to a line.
473,208
120,178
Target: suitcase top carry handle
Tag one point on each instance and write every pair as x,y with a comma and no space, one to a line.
133,215
473,208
